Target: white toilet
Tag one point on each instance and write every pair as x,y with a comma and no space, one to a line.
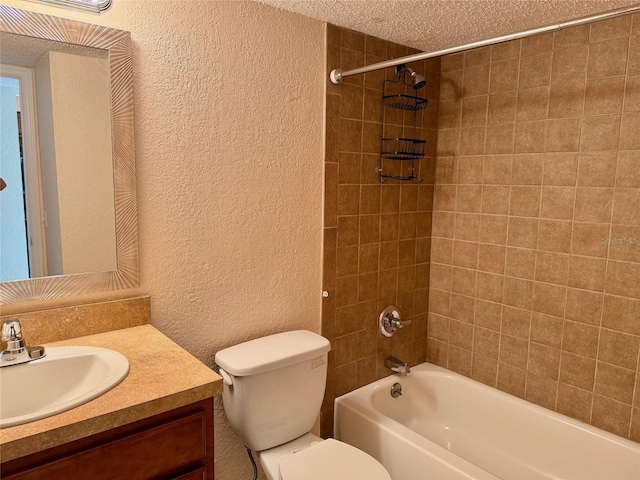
273,389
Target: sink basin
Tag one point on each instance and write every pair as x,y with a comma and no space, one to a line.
66,378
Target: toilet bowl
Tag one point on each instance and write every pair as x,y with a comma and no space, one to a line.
312,458
273,390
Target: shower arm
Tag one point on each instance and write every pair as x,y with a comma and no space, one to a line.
337,75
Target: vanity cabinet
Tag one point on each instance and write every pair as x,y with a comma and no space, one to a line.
175,445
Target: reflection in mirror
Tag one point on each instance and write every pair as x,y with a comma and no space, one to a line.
67,102
57,212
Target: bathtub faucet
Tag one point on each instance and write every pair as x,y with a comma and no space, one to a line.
397,365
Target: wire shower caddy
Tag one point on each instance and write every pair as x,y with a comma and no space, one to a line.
401,148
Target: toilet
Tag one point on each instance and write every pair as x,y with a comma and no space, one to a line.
273,390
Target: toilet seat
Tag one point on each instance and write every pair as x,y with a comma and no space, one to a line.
331,460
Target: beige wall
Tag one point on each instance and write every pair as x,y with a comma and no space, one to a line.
228,100
377,237
536,222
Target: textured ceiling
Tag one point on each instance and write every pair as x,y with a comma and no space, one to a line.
430,25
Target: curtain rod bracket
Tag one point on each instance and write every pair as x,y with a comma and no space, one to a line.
336,76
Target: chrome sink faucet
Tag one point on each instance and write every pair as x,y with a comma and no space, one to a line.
14,348
397,365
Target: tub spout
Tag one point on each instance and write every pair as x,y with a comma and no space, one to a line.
397,365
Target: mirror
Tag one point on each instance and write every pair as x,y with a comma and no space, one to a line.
108,50
57,212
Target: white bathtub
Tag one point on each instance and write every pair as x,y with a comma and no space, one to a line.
447,426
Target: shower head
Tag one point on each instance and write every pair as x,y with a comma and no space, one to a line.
418,80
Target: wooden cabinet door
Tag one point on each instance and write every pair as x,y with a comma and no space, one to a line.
176,448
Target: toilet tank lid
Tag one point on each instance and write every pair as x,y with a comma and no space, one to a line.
271,352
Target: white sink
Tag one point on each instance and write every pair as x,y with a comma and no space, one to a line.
65,378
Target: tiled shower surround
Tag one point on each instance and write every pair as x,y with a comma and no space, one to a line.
377,238
533,277
535,273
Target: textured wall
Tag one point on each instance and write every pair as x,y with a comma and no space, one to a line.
377,237
228,116
536,221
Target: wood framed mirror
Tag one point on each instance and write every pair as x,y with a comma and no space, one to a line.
116,45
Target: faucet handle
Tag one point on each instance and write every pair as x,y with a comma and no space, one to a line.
11,336
11,330
390,321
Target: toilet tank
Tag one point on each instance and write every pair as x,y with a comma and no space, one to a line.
277,386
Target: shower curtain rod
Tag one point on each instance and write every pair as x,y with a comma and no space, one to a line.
337,75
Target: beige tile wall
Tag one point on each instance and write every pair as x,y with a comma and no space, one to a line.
376,237
535,273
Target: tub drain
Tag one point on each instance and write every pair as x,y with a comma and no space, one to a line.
396,390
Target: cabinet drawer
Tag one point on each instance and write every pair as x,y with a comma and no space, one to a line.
198,474
138,456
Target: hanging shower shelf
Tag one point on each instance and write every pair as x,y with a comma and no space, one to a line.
405,102
402,148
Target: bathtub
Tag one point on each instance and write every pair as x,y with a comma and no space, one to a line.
447,426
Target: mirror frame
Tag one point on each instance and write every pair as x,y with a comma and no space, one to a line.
118,45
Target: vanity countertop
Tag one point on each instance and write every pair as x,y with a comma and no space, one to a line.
162,376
